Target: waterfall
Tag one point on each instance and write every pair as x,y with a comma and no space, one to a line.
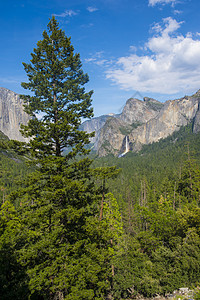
126,147
126,144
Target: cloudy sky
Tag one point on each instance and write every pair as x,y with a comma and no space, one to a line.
127,47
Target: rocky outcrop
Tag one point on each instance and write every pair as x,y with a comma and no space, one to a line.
12,114
110,130
196,123
139,112
145,122
134,115
94,125
111,137
172,116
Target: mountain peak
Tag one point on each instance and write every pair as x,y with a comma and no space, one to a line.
147,121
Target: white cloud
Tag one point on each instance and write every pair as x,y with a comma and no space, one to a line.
133,48
67,13
154,2
99,62
92,9
98,59
88,60
172,65
177,12
99,54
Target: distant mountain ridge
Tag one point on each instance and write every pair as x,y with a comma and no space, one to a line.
143,122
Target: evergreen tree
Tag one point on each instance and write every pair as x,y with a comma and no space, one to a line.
65,252
189,183
57,81
13,280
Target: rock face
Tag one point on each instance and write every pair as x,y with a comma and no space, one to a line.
172,116
94,125
141,122
196,124
145,122
137,111
12,114
111,138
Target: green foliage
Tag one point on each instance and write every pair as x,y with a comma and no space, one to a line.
13,281
134,272
197,293
154,105
158,196
112,218
189,183
57,81
12,169
126,130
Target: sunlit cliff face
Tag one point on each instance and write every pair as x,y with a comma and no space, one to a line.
161,123
12,114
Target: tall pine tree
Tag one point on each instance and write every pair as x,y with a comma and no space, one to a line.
57,81
64,249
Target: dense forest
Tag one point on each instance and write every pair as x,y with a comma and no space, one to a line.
158,193
76,226
156,211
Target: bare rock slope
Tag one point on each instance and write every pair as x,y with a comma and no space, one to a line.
12,114
147,121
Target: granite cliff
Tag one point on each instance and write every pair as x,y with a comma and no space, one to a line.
141,121
172,116
196,123
94,125
145,122
137,111
12,114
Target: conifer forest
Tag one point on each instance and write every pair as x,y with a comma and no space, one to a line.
76,226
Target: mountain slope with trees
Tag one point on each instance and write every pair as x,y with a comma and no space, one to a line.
158,192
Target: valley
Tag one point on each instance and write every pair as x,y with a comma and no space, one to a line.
157,193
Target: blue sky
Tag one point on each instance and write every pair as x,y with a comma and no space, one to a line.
127,46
